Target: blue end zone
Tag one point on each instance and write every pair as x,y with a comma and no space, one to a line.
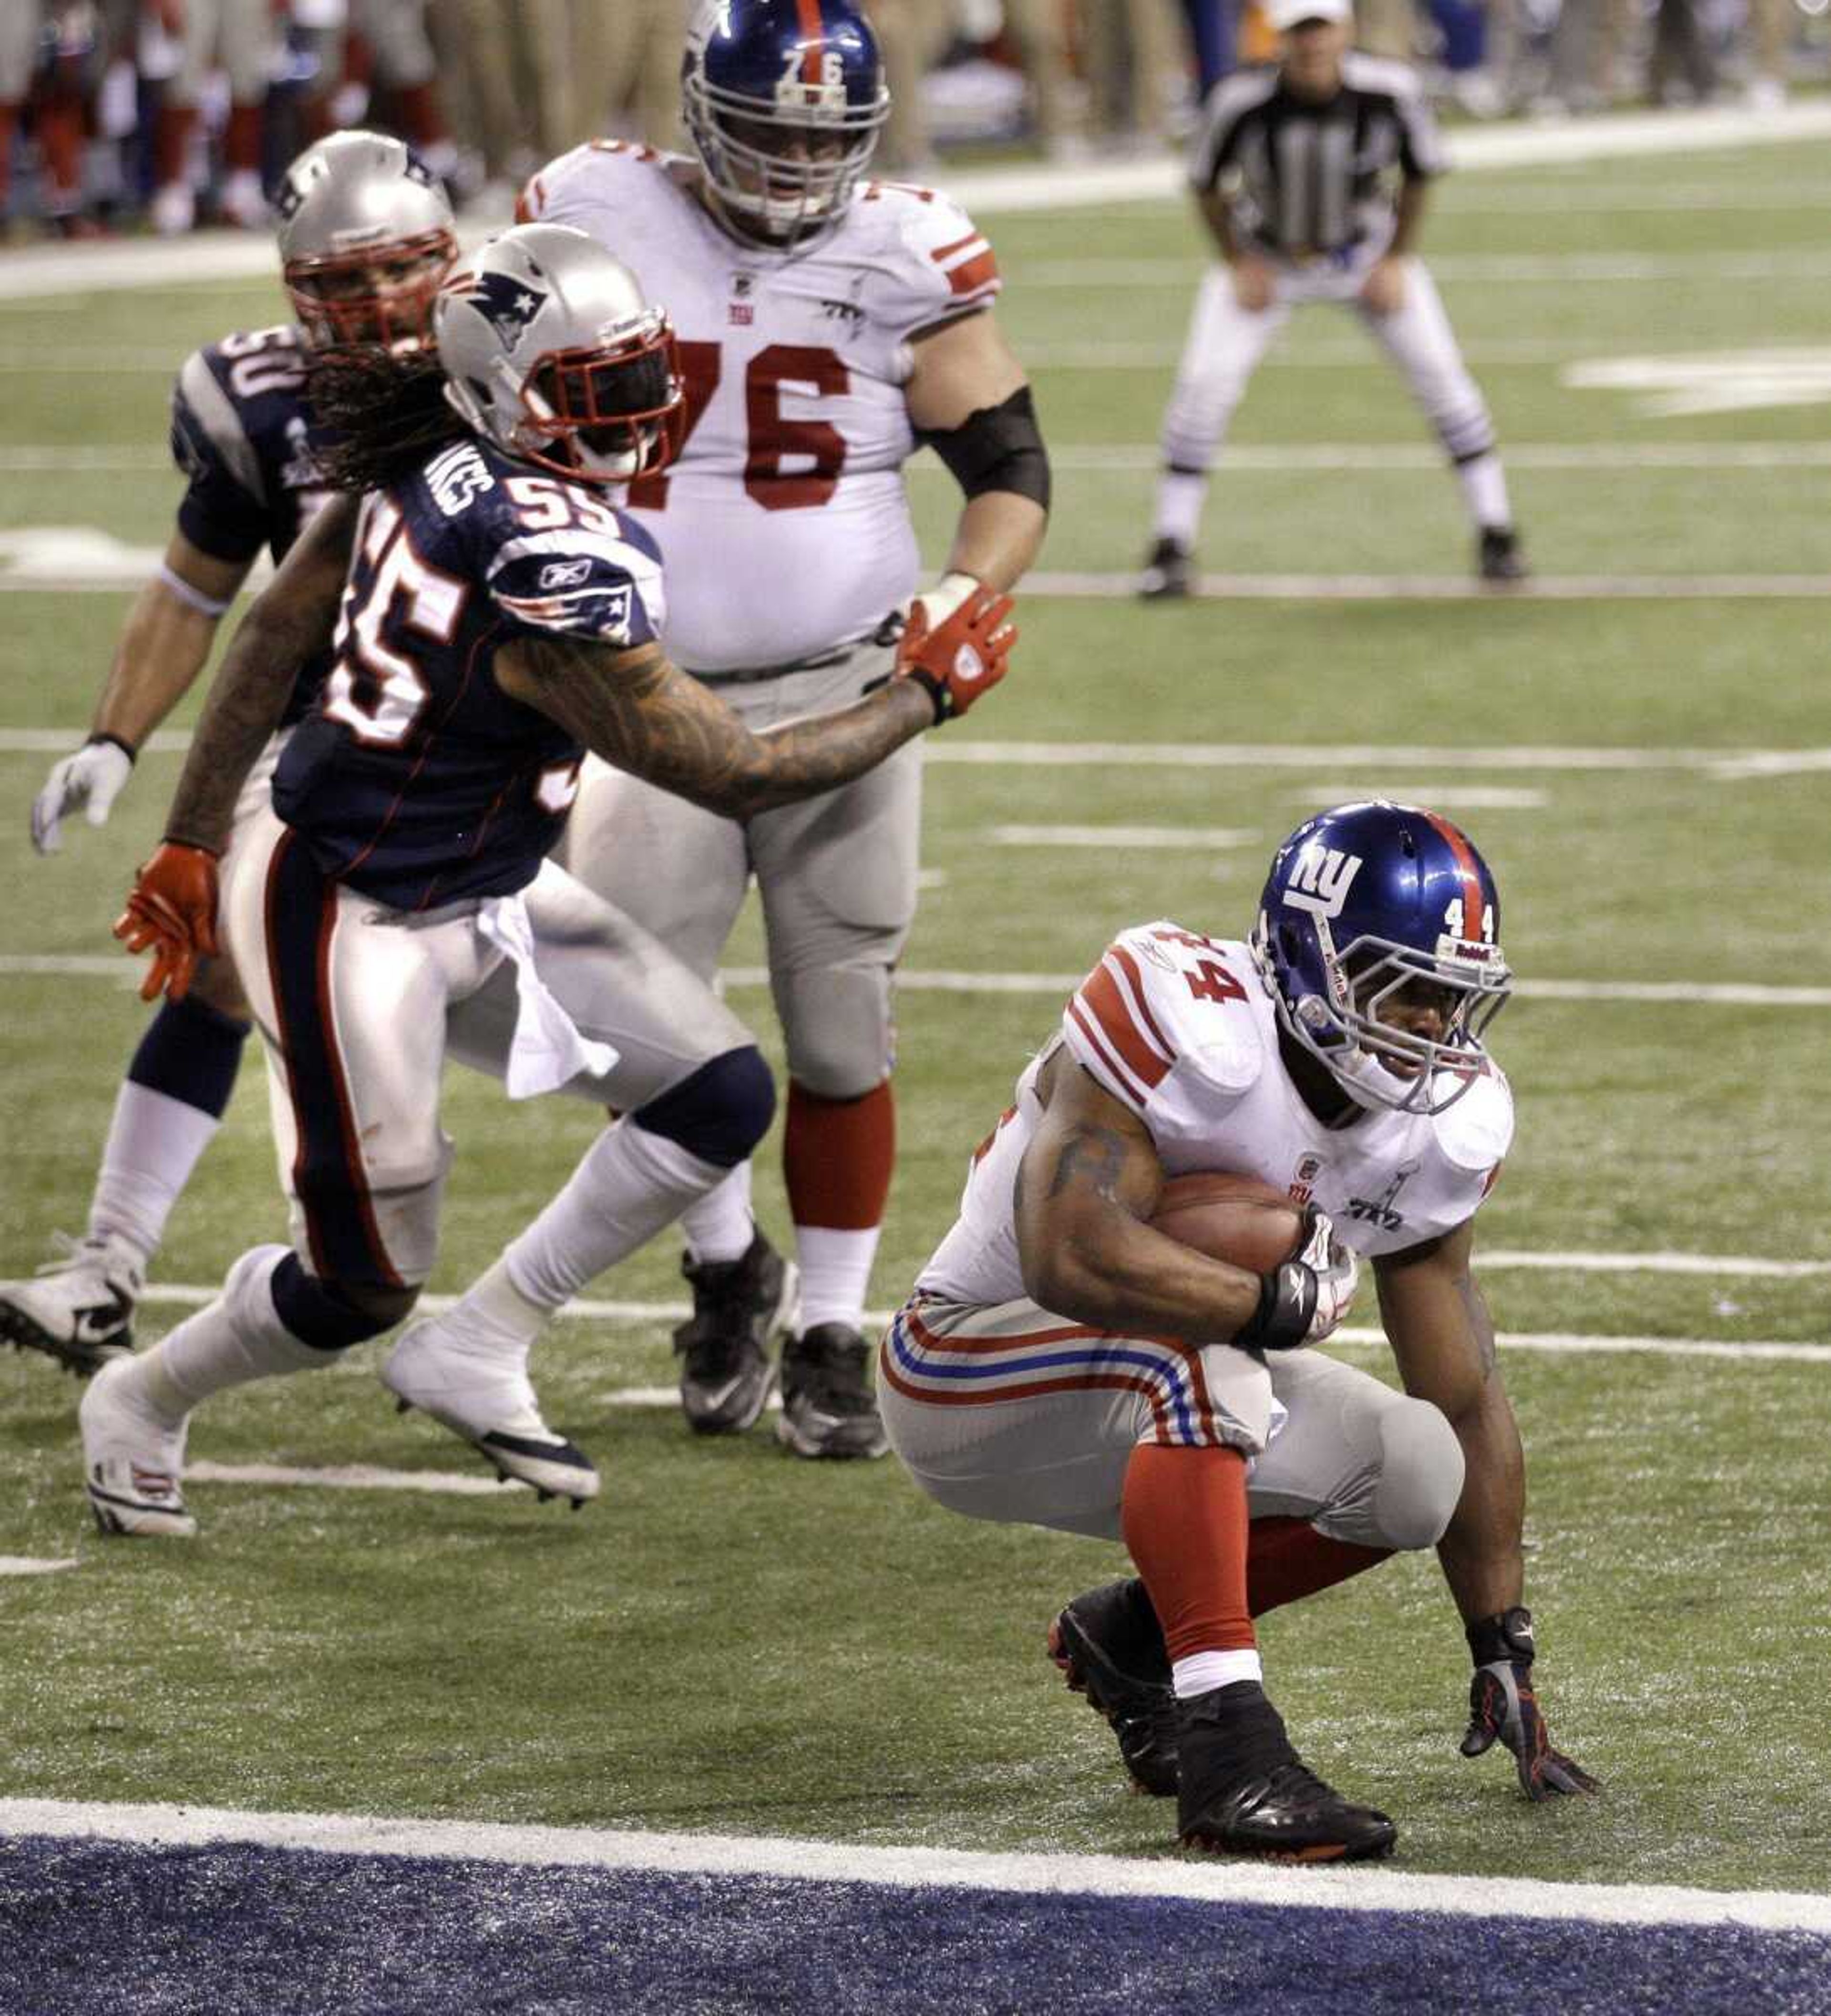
89,1926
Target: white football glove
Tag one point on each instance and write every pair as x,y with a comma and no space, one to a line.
1338,1275
91,778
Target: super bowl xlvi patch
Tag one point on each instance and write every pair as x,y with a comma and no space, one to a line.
506,303
1381,1210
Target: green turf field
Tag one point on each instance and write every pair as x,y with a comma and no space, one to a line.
730,1640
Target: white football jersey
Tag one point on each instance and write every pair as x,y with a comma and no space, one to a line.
794,532
1181,1028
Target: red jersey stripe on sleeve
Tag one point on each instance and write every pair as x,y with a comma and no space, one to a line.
1111,1072
971,274
1102,998
1141,1000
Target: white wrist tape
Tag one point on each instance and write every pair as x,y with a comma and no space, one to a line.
947,595
192,598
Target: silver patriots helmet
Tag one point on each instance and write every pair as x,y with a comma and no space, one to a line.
366,238
551,352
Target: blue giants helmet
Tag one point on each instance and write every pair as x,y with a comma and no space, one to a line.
1364,901
784,99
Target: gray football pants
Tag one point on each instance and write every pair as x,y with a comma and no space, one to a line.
836,876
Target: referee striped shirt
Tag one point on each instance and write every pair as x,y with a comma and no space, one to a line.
1309,178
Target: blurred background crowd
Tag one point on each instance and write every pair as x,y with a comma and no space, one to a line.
181,111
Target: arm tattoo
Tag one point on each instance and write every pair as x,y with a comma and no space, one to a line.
1096,1155
640,713
294,618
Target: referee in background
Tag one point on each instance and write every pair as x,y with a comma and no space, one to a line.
1311,176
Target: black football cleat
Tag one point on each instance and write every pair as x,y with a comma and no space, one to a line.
1498,559
1111,1648
1244,1790
1168,574
725,1368
828,1406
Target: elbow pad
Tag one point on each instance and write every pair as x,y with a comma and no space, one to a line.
998,448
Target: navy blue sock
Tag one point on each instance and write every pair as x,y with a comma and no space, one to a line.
191,1052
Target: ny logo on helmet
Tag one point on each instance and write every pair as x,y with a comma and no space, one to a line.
1320,879
506,303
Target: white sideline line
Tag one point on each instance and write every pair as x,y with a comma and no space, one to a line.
1679,993
207,257
1308,757
354,1476
1440,798
920,1868
26,1564
1440,587
588,1310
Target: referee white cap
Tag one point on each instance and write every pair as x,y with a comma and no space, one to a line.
1282,14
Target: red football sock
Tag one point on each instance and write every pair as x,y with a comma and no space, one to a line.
171,139
838,1155
1184,1516
416,106
60,141
9,126
1287,1559
241,140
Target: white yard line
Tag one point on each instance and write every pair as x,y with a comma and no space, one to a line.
914,1867
590,1309
26,1564
1679,993
917,980
1107,837
353,1476
1121,457
1444,588
1440,798
1310,756
1119,277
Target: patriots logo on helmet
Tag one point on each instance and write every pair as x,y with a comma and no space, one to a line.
506,303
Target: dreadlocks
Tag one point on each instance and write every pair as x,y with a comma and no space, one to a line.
384,414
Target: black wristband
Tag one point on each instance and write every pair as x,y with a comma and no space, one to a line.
939,698
1287,1307
1505,1636
126,748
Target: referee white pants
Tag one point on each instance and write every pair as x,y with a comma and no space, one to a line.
1226,342
1006,1413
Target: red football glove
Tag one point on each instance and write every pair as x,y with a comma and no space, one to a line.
171,909
956,643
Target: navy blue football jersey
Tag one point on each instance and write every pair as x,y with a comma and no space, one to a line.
418,780
243,435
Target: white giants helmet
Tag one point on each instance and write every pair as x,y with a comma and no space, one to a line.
366,238
551,353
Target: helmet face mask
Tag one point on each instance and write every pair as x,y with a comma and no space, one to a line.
1378,940
551,353
366,238
381,298
784,112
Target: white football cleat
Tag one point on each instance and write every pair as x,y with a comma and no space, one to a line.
132,1459
481,1390
78,1308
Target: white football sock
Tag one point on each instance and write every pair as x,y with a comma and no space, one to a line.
835,1271
630,1184
1180,498
1485,486
153,1144
237,1338
719,1226
1202,1672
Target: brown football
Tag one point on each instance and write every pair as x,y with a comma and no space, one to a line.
1235,1218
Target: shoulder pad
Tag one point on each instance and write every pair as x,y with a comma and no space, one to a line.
1163,998
208,434
597,576
1475,1133
553,193
933,261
